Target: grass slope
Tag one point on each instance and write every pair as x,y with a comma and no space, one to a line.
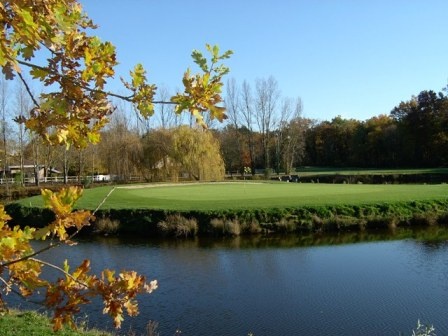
230,196
31,323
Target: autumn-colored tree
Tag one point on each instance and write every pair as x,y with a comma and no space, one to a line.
52,41
381,142
155,163
331,143
293,146
196,153
169,153
232,143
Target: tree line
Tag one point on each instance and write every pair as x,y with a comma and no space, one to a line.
265,132
413,134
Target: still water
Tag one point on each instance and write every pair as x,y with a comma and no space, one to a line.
280,285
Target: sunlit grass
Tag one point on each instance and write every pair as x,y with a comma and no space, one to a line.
32,323
252,195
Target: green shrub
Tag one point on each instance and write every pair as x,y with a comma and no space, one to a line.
86,181
267,173
18,179
254,177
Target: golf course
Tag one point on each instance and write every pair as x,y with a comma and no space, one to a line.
249,195
233,208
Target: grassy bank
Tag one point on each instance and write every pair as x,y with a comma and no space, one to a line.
247,208
31,323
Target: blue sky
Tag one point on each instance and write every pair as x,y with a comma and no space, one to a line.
352,58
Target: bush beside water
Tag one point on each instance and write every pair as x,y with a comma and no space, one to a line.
337,218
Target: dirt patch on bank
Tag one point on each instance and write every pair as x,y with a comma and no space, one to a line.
149,185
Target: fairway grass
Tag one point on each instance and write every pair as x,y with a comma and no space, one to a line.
228,196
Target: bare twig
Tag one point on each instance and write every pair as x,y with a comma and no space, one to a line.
85,87
46,248
28,90
18,293
60,270
164,102
8,286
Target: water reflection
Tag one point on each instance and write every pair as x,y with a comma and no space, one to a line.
352,283
434,237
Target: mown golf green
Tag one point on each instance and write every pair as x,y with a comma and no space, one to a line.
220,196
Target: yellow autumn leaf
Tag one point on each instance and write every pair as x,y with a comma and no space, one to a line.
131,307
109,275
42,233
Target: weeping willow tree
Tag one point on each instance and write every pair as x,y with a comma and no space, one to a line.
196,152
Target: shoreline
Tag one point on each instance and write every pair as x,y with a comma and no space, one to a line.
303,219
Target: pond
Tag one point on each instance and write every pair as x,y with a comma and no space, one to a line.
353,284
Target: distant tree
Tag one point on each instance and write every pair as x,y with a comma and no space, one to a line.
232,136
331,143
167,117
266,100
294,143
23,106
248,122
197,153
231,147
381,142
288,134
422,124
4,129
155,163
120,152
406,139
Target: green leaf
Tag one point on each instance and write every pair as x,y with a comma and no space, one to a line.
39,73
42,233
227,54
205,79
215,52
66,266
8,242
138,75
28,52
200,60
27,17
222,70
94,137
209,48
